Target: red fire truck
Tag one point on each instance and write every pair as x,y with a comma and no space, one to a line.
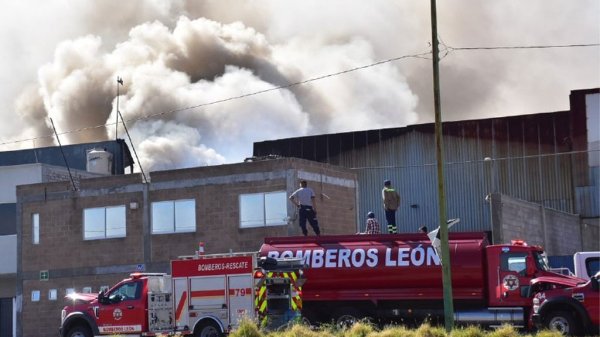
398,278
571,311
205,296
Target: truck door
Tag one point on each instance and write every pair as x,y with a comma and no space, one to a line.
126,313
513,283
180,291
208,296
240,298
592,301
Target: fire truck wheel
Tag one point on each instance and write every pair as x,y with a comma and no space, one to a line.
79,331
563,322
208,329
346,317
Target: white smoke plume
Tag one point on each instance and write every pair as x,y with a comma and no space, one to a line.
176,58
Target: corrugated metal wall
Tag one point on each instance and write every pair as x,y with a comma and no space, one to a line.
528,158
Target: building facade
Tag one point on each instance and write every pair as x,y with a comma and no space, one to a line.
37,166
550,159
112,226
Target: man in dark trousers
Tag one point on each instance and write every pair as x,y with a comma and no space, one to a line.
391,202
304,199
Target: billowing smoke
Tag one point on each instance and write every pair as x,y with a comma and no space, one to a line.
188,67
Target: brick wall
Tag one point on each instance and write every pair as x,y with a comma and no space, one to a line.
73,262
42,318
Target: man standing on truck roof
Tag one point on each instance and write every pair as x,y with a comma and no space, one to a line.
391,202
304,199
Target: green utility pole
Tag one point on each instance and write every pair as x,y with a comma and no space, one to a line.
439,146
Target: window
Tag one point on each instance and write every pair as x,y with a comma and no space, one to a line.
35,230
174,216
128,291
35,296
104,222
263,209
52,294
592,266
514,262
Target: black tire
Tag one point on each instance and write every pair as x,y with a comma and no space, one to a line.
563,322
347,316
79,331
208,329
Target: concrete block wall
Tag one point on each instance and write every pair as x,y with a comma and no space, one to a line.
558,232
590,232
73,262
42,318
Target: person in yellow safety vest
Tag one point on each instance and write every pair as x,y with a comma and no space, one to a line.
391,202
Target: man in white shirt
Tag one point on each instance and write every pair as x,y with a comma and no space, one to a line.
304,199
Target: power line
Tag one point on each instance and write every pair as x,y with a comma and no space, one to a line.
446,48
524,47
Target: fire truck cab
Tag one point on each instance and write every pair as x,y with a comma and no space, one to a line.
204,296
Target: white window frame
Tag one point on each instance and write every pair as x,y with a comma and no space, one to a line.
173,217
264,221
52,294
35,228
35,296
105,232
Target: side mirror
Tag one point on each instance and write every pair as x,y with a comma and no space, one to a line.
530,266
102,298
595,282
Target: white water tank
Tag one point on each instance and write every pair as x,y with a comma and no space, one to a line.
99,161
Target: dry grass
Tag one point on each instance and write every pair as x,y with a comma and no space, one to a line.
364,329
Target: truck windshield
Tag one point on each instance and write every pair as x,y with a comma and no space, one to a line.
541,260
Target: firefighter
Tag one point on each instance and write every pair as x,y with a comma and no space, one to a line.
304,199
391,202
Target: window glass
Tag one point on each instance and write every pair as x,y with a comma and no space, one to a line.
162,217
252,210
93,220
128,291
513,262
592,265
104,222
275,208
35,296
115,221
185,215
52,294
263,209
174,216
35,221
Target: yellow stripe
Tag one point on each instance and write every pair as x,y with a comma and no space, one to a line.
263,306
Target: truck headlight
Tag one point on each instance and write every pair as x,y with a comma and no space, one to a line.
536,305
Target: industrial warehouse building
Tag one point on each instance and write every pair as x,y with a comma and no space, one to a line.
545,165
540,179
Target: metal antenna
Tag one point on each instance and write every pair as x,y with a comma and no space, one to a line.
133,147
119,81
63,154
